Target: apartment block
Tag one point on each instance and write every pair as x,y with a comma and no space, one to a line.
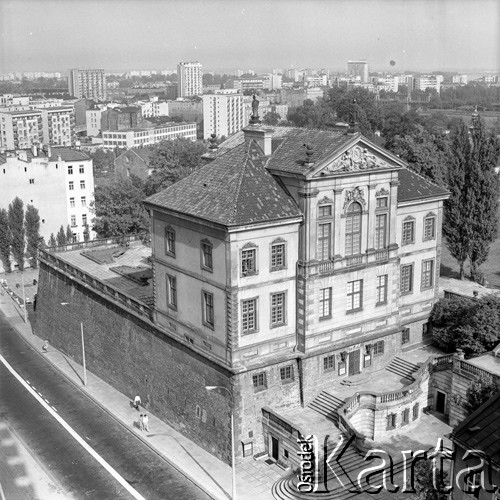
89,83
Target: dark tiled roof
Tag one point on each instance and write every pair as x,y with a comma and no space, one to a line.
415,187
481,430
290,154
234,190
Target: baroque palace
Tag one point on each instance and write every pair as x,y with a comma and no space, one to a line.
294,259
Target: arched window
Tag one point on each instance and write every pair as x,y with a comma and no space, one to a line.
353,229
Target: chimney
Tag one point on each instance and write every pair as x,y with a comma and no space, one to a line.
262,136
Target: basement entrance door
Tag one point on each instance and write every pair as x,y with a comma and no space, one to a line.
440,401
354,362
274,448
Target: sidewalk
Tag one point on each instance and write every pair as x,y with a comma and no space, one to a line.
209,473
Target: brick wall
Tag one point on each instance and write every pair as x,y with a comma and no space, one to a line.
136,358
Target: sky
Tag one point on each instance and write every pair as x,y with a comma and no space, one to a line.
224,35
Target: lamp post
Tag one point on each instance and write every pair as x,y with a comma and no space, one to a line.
233,467
83,349
24,297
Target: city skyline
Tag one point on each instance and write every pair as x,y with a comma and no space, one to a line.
417,35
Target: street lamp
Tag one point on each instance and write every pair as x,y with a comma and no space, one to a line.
83,349
24,297
233,461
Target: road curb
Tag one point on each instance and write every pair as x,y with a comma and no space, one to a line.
117,419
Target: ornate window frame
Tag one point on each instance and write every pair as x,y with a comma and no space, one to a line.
274,243
249,272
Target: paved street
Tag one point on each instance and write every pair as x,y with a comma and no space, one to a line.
73,468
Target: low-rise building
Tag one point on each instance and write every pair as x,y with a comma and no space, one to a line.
134,161
140,137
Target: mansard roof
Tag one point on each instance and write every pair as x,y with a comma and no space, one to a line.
234,190
413,186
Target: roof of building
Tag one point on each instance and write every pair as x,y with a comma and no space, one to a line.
143,153
480,431
233,191
413,186
56,152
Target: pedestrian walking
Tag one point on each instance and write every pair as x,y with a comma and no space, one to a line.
45,346
137,402
141,422
145,422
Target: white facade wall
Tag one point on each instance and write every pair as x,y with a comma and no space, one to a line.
146,137
222,115
45,184
189,79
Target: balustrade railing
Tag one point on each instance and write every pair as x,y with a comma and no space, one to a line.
124,299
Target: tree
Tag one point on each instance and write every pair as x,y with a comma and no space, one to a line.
272,118
472,325
482,200
455,228
16,225
52,241
103,162
5,241
172,161
69,234
118,208
86,233
479,392
33,240
430,481
61,236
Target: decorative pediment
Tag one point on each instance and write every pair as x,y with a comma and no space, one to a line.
353,195
356,158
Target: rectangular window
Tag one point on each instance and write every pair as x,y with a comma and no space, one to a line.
429,228
83,201
286,373
259,381
72,202
427,273
378,348
249,316
407,278
71,185
73,220
81,169
391,421
82,184
172,291
208,309
84,219
405,335
408,232
329,363
32,181
248,262
354,295
325,303
70,169
325,211
277,256
170,241
382,289
277,309
382,202
416,408
324,241
380,231
405,416
206,256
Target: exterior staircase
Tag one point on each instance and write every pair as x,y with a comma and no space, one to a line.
327,405
352,464
403,368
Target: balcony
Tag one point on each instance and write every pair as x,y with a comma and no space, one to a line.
370,258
